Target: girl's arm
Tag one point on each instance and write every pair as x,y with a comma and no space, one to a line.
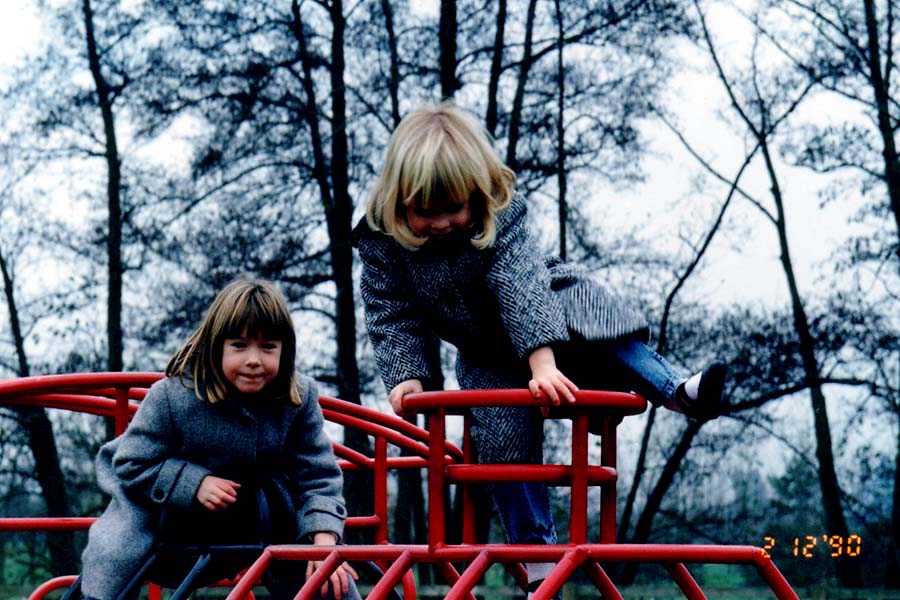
338,579
144,457
547,379
404,348
313,470
519,279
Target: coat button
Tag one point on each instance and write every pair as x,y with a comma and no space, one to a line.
340,510
158,494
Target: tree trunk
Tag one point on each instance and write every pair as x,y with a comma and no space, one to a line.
563,211
394,83
490,118
447,35
639,468
892,573
515,117
43,446
113,188
882,104
848,569
654,500
338,207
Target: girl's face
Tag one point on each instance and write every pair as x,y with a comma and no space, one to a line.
439,221
250,363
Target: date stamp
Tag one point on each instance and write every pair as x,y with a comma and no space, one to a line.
807,546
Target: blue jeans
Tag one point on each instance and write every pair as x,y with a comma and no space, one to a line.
644,371
525,512
626,364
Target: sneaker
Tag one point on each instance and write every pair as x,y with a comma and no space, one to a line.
709,403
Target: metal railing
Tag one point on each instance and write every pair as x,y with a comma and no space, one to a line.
117,396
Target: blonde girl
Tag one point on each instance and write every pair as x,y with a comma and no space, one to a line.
447,254
231,416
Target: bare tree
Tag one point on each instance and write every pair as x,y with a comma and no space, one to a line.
39,431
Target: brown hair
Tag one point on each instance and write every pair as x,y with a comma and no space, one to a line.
437,155
254,306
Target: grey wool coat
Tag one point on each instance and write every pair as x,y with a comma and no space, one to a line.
175,440
495,305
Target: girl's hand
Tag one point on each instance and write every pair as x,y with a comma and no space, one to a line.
547,379
216,493
338,579
410,386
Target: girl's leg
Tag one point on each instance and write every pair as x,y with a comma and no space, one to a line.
653,377
645,370
515,435
525,512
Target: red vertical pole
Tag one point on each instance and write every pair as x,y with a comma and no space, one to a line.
121,414
468,503
381,504
608,590
154,592
578,471
608,490
436,424
685,581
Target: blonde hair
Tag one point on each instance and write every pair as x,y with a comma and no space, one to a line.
254,306
440,155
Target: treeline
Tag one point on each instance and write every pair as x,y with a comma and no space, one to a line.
155,150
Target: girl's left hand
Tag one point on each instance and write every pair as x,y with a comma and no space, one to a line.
547,379
338,579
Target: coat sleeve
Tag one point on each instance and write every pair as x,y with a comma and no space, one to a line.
314,471
145,456
518,277
404,347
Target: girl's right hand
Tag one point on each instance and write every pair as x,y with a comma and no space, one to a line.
410,386
216,493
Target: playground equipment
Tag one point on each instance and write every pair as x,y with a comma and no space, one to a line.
117,396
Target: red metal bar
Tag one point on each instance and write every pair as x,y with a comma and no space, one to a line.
409,586
94,405
122,414
606,586
392,576
370,522
549,474
380,483
57,583
459,401
608,492
470,577
469,532
86,382
311,589
46,523
560,574
252,575
436,537
154,592
685,581
362,424
451,576
579,478
772,576
388,421
518,573
93,393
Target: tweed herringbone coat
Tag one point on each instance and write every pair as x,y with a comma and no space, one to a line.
495,305
175,440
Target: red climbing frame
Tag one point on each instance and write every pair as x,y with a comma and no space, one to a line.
116,395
